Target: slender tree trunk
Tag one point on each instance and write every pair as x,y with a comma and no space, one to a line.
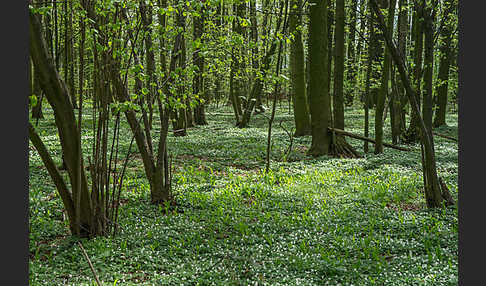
369,72
258,84
418,36
445,57
434,195
198,60
429,18
338,98
235,72
37,109
351,56
401,100
179,115
383,92
151,82
255,63
68,78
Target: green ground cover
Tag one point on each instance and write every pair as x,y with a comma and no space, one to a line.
324,221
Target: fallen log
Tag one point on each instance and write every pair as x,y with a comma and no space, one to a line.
445,136
356,136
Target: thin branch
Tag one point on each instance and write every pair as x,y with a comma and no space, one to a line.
90,264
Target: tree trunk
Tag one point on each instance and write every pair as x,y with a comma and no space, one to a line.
198,61
151,82
318,80
338,98
351,56
59,99
418,36
179,115
383,92
297,72
434,195
255,63
369,72
445,56
257,87
37,109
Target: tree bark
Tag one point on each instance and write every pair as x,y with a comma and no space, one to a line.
433,193
198,60
418,37
59,99
445,56
338,98
351,56
318,80
383,92
297,72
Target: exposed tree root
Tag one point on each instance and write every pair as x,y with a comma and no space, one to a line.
341,149
449,201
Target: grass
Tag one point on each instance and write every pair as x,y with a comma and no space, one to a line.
322,221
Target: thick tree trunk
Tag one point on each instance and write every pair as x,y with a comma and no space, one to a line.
297,72
318,80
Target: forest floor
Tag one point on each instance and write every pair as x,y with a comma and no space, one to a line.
324,221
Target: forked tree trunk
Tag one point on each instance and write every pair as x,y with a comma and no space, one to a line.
58,96
155,164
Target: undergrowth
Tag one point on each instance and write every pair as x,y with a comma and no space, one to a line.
323,221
